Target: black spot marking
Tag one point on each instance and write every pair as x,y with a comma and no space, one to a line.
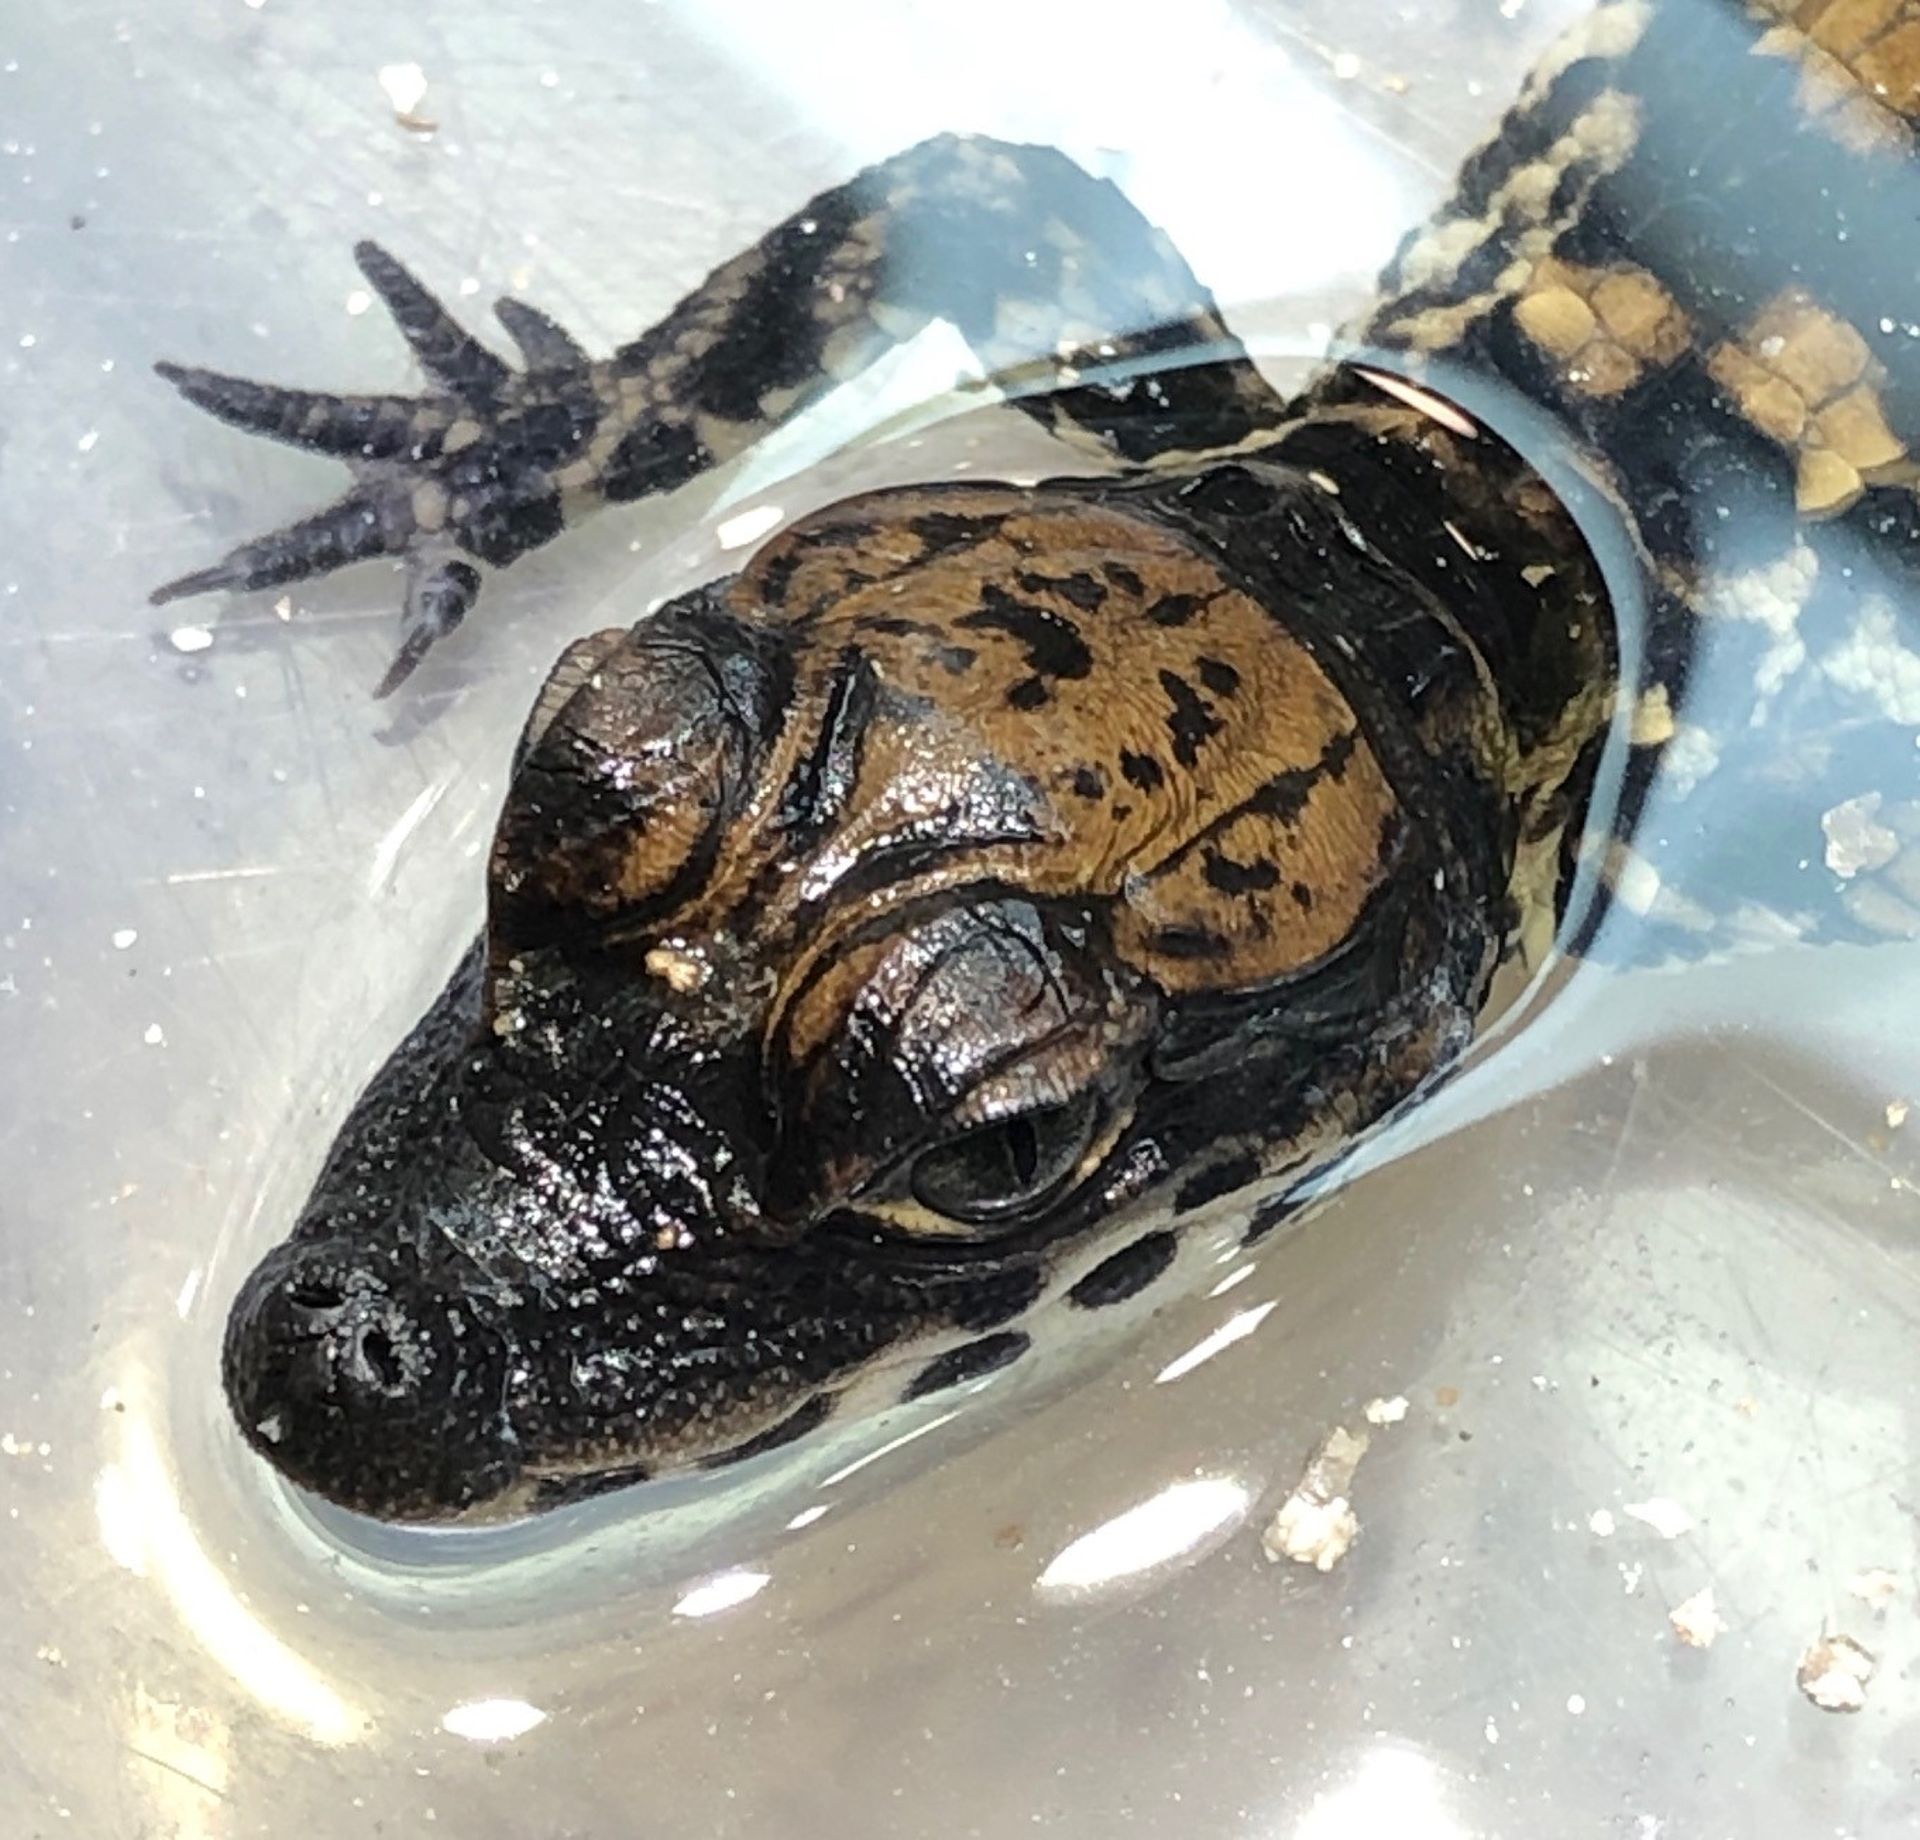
795,1425
892,624
1089,783
1219,676
1232,877
1127,1273
994,1304
1190,721
1218,1179
772,335
1191,942
1079,588
1176,609
968,1362
1285,795
1029,693
656,456
1302,897
941,531
1142,770
1053,644
501,527
1123,578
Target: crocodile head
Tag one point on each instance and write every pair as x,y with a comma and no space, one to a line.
866,937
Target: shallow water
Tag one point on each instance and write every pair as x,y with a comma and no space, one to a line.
1657,1248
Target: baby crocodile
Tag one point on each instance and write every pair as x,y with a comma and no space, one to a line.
920,924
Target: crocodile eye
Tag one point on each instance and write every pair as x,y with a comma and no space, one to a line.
1000,1174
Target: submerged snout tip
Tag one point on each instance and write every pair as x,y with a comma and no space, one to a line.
361,1379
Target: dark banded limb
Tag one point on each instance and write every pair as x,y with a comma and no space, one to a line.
1072,301
1709,310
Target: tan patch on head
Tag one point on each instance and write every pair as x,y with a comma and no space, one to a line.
1095,706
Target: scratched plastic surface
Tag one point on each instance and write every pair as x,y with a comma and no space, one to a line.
1657,1251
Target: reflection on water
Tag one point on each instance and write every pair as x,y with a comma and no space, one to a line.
145,1529
1180,1521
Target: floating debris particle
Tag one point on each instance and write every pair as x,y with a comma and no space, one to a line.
1855,843
124,937
1876,1587
1697,1620
1834,1672
679,970
1602,1523
1316,1524
190,639
406,88
1386,1411
1897,1112
154,1035
1667,1518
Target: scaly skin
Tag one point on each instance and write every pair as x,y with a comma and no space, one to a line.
926,923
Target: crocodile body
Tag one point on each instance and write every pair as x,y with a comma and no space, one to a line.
914,930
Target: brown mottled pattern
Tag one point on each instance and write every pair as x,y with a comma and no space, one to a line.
1171,741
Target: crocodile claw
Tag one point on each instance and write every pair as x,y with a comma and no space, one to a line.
467,467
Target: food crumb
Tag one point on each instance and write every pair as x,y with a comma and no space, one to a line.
680,970
1667,1518
1697,1620
1316,1524
1876,1587
1834,1672
1897,1112
1854,841
406,88
1601,1522
1385,1411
